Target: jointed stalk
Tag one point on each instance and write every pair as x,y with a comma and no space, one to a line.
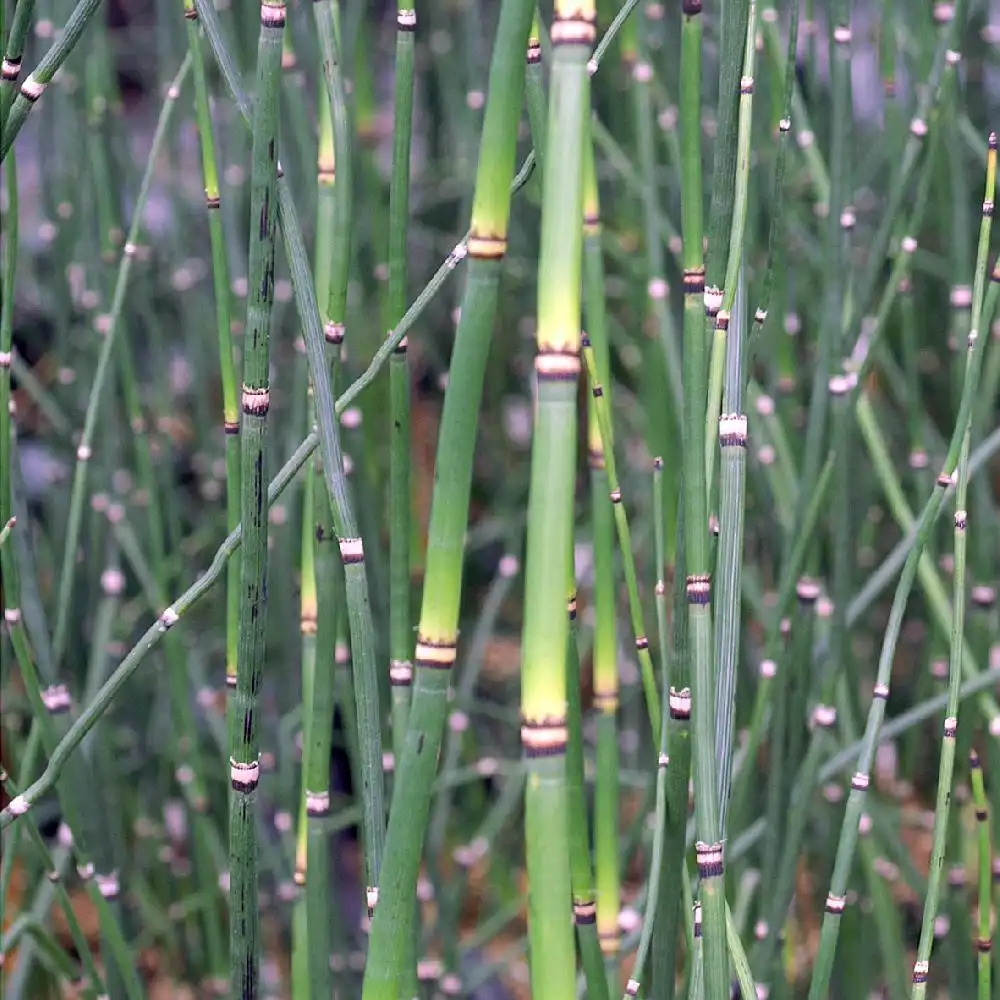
220,285
438,629
244,759
640,635
947,764
41,76
709,846
586,895
837,898
984,939
605,652
400,625
333,314
550,509
728,356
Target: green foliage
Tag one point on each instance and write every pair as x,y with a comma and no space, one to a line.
750,237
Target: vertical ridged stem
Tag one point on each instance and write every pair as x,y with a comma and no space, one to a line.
734,237
961,475
732,432
227,367
333,313
318,733
550,509
311,933
639,633
698,583
655,867
733,18
674,884
984,902
437,634
400,624
731,427
784,127
244,758
586,901
301,982
657,287
605,651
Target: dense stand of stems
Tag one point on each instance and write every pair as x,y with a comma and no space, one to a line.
437,632
836,899
957,638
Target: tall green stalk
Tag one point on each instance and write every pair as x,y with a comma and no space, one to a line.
227,367
244,760
400,625
333,315
586,898
709,847
437,634
731,427
550,509
984,939
605,652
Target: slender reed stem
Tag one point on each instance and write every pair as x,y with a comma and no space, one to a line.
227,367
244,759
709,846
437,633
947,763
605,651
400,624
837,899
550,507
984,938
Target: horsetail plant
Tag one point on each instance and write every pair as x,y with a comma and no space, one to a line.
984,901
319,332
154,634
640,636
802,595
318,733
732,433
963,435
605,652
437,635
301,982
227,367
697,300
550,508
586,906
837,899
400,626
244,758
42,75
